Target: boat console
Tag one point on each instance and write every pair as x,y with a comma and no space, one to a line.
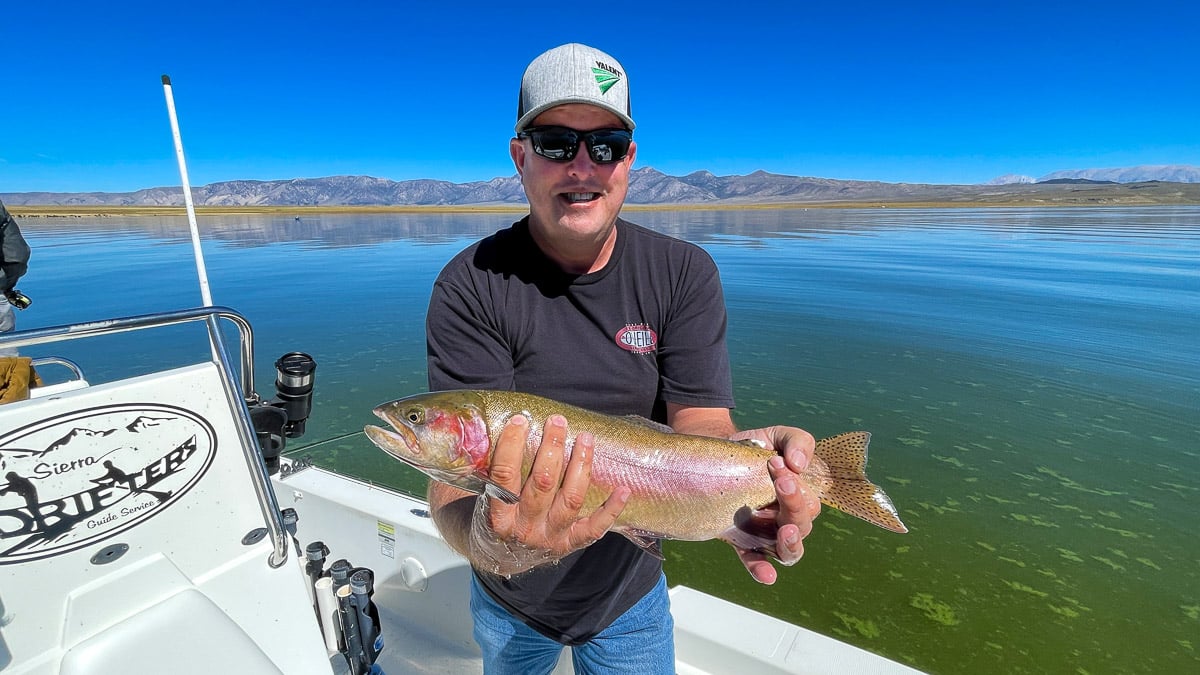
139,531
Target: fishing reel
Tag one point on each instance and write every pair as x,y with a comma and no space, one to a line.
17,299
284,416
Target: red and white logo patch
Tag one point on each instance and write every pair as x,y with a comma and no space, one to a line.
637,338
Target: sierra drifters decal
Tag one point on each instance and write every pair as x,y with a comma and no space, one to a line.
77,479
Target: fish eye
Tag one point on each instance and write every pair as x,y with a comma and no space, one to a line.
415,416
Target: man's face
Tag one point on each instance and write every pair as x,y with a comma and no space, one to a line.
579,199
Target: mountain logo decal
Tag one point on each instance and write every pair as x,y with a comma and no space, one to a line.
78,479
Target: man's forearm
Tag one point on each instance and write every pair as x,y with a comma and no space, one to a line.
715,422
452,510
461,518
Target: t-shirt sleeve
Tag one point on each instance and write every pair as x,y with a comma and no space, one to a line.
464,347
693,356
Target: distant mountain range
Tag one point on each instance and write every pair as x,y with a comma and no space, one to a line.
1145,184
1168,173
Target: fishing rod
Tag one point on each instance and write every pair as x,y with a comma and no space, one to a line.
201,272
272,421
220,356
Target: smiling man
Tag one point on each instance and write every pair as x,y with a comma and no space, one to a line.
576,304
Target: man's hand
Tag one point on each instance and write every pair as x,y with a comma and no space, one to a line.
797,505
545,524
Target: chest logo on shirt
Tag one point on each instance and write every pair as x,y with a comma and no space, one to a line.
638,338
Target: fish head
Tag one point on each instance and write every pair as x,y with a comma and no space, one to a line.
443,434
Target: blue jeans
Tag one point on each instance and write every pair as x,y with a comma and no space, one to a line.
7,323
640,641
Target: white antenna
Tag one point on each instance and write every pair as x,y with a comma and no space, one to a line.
205,295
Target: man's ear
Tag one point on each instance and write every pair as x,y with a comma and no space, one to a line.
516,150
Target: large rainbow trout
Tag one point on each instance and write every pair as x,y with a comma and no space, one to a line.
684,487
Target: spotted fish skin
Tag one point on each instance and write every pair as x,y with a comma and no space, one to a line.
683,486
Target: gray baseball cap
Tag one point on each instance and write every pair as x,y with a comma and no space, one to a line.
573,73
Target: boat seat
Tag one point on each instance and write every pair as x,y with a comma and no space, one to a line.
186,634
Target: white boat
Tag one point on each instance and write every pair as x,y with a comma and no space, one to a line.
143,531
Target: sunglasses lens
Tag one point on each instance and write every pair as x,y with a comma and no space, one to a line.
557,144
608,145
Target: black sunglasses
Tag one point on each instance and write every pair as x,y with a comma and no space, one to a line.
560,144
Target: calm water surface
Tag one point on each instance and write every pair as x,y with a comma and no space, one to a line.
1031,379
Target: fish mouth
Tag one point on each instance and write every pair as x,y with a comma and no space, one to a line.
401,443
390,442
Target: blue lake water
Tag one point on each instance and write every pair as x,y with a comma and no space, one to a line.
1031,378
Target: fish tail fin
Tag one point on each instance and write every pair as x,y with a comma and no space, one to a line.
848,489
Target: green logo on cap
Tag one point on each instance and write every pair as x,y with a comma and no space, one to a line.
606,79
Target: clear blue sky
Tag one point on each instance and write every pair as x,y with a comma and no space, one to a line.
937,92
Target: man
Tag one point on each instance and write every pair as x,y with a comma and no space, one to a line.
14,260
575,304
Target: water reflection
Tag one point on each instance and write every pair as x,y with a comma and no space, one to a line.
733,226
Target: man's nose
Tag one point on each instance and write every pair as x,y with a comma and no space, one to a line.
581,164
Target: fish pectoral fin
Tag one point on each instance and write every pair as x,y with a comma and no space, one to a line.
647,541
496,492
748,541
753,530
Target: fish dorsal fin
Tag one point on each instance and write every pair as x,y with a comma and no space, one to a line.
648,423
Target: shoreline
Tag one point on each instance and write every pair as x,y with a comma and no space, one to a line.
102,211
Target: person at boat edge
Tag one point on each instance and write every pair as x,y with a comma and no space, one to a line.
14,262
576,304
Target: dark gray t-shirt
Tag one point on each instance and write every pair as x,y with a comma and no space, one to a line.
647,329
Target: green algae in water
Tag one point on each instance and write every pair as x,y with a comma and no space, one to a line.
934,610
953,461
1064,611
1018,586
1116,567
1032,520
1128,534
863,627
1071,484
950,507
1069,555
